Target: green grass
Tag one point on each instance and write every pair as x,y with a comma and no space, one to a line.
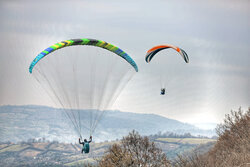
80,162
186,140
14,148
97,145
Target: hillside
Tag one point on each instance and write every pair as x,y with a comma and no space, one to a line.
46,154
35,153
20,123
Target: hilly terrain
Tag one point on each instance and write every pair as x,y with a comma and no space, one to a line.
21,123
40,153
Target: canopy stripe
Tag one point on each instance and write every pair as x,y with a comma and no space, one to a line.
151,52
84,41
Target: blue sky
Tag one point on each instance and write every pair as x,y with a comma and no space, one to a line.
215,34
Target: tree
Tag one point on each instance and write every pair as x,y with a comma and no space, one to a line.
134,150
233,145
231,149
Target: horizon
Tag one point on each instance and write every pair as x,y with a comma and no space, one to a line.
203,126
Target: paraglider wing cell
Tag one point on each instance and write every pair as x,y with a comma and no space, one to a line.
84,41
153,51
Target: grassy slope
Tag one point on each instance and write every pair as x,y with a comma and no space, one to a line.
69,154
186,140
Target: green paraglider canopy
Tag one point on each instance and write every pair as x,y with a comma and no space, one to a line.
83,80
84,41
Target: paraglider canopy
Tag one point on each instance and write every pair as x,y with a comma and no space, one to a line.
84,41
83,80
165,70
151,52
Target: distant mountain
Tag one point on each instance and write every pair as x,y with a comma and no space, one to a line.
20,123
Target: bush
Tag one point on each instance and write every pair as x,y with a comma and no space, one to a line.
134,150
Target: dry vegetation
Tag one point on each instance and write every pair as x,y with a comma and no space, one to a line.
232,148
134,150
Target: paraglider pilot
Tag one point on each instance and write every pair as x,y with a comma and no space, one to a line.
85,144
162,91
